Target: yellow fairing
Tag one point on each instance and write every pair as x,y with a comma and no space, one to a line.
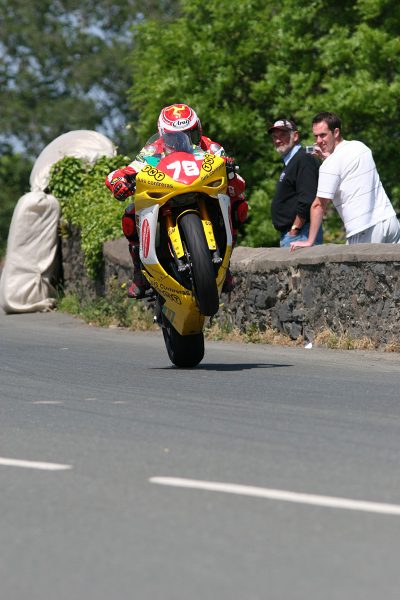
180,306
223,268
155,187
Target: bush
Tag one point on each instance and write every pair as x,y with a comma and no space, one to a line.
87,203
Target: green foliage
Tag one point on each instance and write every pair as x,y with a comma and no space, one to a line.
87,203
14,182
116,310
260,231
240,63
243,63
62,66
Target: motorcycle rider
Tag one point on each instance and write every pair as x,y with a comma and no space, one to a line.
177,117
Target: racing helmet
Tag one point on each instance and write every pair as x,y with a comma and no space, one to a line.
179,118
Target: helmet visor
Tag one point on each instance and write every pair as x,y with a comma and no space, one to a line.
178,141
195,135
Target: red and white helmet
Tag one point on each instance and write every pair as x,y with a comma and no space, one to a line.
180,117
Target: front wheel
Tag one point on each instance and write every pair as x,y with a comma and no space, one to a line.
205,285
183,350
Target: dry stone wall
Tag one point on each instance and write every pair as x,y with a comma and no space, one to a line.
352,290
74,275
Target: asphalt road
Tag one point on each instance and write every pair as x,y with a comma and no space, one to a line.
266,473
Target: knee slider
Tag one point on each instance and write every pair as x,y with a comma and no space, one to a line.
239,213
128,222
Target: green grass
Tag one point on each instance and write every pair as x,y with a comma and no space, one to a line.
117,310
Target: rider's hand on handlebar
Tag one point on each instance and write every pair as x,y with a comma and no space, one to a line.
122,188
231,167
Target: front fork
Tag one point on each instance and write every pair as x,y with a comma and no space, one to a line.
175,237
209,233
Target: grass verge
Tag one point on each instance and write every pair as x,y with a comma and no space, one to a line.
117,311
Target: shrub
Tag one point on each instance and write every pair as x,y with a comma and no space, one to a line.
87,203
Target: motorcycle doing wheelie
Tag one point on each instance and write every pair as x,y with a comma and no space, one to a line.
183,220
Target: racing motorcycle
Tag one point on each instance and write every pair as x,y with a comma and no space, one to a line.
183,220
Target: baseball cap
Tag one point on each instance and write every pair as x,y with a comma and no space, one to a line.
283,124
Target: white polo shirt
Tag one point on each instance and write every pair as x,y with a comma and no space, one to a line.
349,177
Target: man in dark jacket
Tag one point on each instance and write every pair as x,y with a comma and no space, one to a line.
297,185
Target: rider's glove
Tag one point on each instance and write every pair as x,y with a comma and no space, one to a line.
231,168
121,183
120,189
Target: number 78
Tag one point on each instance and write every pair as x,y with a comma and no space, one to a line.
189,168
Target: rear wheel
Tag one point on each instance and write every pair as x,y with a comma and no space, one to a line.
202,268
183,350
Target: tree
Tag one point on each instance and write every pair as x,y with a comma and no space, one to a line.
242,64
62,67
362,81
14,181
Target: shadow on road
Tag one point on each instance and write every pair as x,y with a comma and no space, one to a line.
226,367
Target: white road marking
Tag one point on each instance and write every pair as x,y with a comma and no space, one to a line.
30,464
285,496
47,402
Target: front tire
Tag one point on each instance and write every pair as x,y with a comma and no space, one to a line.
183,350
205,285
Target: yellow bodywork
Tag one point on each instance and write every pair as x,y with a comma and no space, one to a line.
156,187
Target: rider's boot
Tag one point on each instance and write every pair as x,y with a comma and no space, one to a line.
139,282
229,283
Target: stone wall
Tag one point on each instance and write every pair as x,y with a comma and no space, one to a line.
74,275
352,290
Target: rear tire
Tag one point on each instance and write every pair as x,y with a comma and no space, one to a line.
183,350
205,285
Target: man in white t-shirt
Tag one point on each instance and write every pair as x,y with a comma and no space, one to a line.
348,176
